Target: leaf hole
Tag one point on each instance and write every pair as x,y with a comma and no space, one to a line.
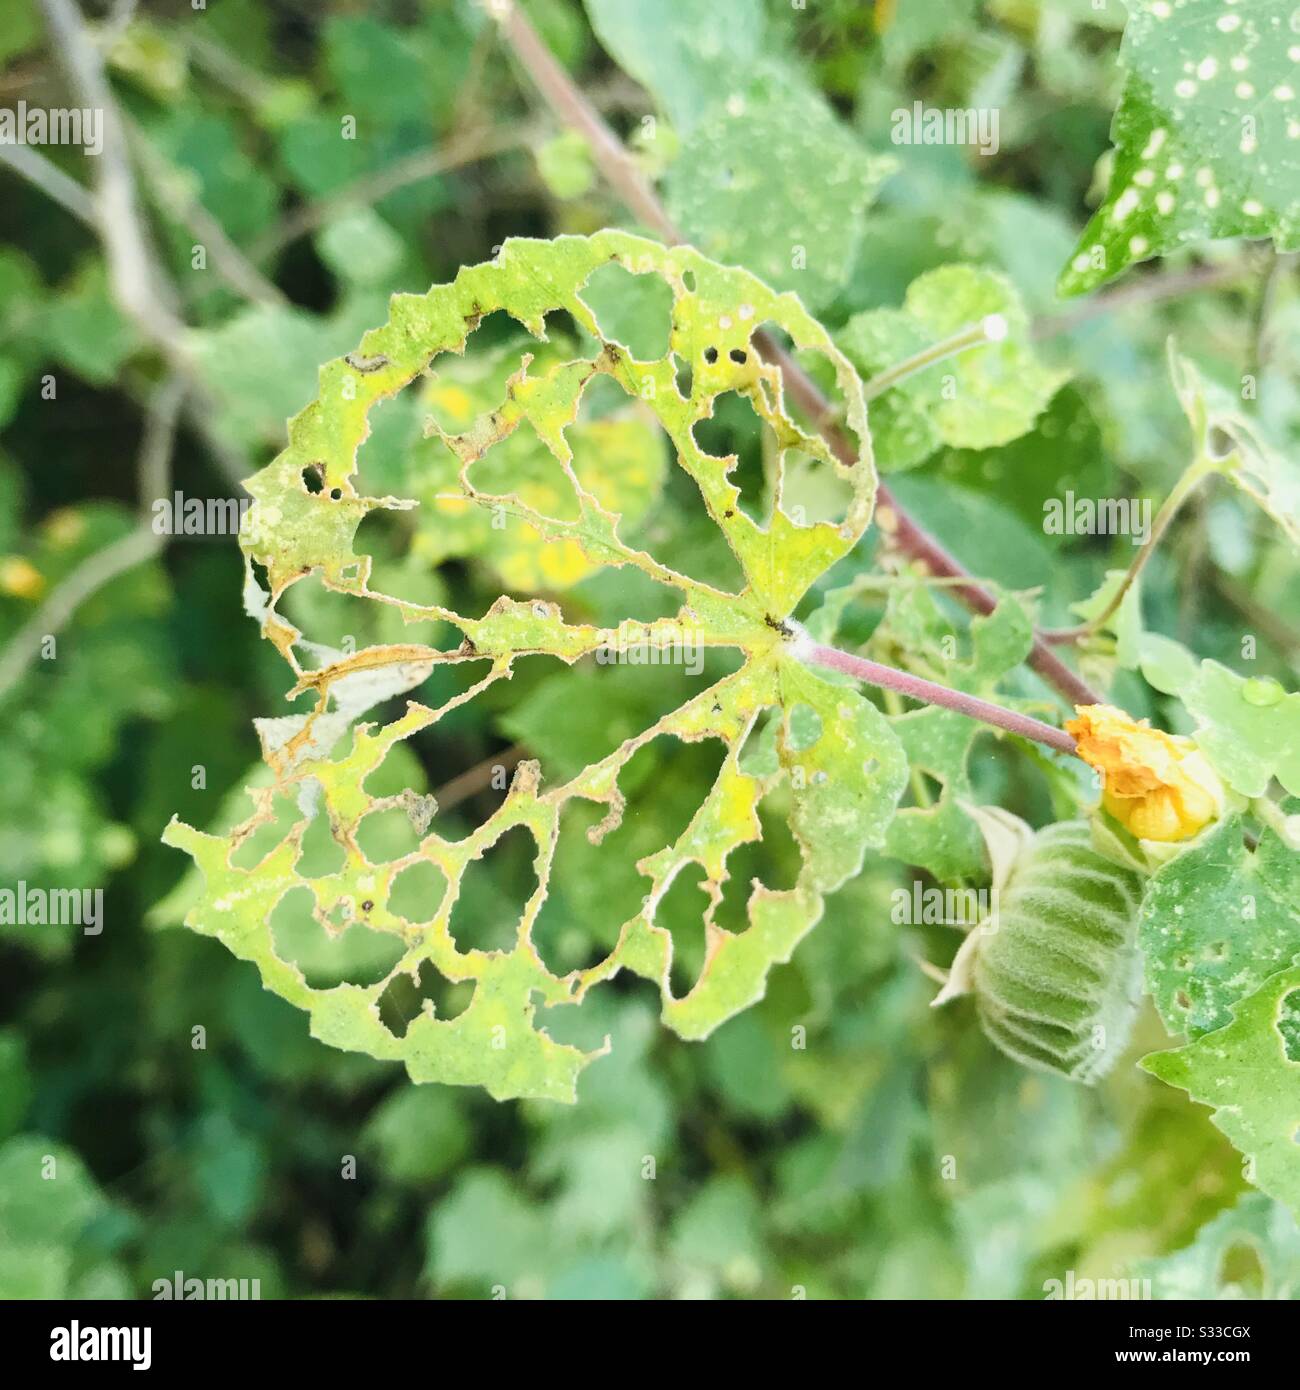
494,893
1241,1269
417,892
803,728
680,912
633,310
405,999
383,836
734,433
1288,1024
356,955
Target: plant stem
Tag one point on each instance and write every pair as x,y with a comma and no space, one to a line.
989,330
625,177
931,693
1179,494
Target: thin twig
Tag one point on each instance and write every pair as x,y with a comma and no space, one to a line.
139,286
1187,483
154,466
473,780
370,188
228,260
137,280
51,180
625,177
1278,631
1142,291
88,578
125,553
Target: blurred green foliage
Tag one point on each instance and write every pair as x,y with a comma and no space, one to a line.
840,1139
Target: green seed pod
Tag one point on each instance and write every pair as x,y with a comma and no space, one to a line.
1056,971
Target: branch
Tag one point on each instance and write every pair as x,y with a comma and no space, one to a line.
51,180
139,284
103,566
931,693
370,188
1143,290
625,177
227,259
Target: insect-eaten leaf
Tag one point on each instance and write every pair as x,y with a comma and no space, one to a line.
837,764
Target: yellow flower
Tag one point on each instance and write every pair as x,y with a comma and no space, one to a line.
20,578
1157,785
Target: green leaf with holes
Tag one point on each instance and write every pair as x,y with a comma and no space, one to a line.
1216,922
619,457
978,399
1206,136
1202,1269
1249,1073
839,766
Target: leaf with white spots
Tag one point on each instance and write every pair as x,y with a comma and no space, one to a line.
774,181
1206,136
1216,922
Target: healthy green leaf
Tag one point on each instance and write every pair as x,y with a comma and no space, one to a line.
978,399
772,180
684,52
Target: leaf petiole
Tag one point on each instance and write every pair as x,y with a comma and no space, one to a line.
930,692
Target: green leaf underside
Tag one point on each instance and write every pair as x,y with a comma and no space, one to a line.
1249,1073
1216,922
1198,1271
844,782
1207,134
1266,472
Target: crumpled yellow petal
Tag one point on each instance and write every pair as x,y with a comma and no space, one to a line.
1157,785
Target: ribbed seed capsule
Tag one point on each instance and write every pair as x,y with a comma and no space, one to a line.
1058,981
